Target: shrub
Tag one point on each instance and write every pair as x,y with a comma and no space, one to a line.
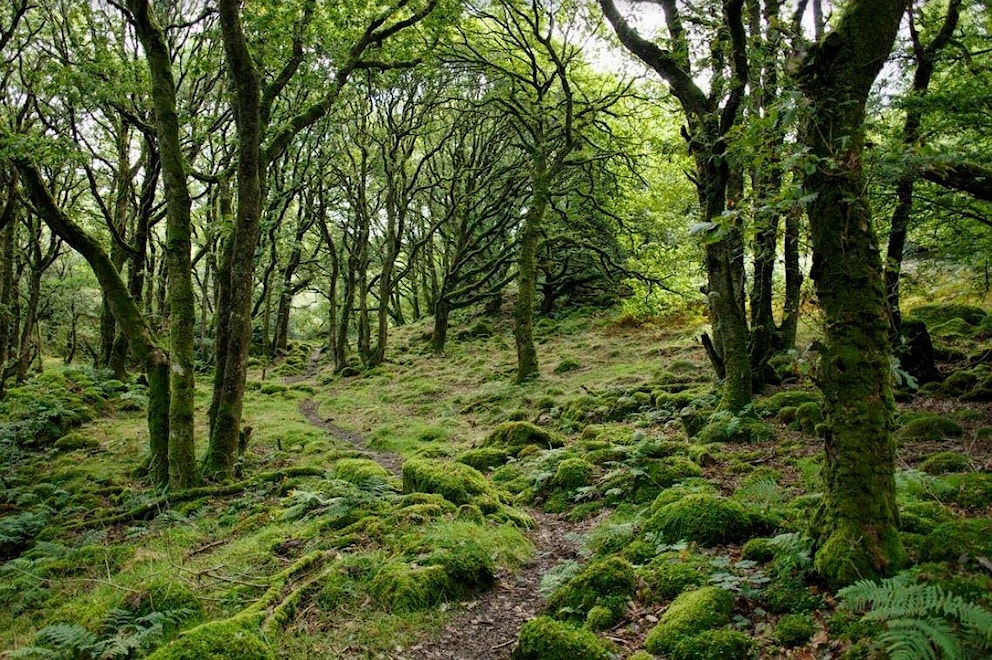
795,629
688,615
546,639
706,519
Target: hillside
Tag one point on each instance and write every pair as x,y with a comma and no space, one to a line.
429,508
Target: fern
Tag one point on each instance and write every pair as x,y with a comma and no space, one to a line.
922,620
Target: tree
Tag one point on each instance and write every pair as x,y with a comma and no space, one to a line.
857,528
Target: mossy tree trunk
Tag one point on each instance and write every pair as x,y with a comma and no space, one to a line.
140,337
181,299
858,528
926,60
523,309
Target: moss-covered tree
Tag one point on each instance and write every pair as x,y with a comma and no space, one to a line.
857,527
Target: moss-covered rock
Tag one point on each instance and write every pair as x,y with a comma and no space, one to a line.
725,427
76,440
642,480
610,583
943,462
671,573
572,473
546,639
401,587
484,458
709,520
770,406
937,314
690,614
928,428
721,644
468,565
456,482
758,549
808,416
359,470
600,617
514,436
923,516
949,541
216,640
787,592
672,494
971,490
794,629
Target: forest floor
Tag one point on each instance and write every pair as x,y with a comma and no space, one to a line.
358,547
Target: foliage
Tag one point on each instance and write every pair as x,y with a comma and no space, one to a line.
921,620
608,583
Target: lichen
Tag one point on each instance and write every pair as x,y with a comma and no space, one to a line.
688,615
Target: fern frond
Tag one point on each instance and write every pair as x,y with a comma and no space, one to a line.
919,639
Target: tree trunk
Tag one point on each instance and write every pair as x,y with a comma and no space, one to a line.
154,359
442,311
858,526
793,284
223,447
6,292
523,309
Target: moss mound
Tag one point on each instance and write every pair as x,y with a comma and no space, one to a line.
514,436
456,482
485,458
770,406
359,471
166,595
949,541
935,315
216,640
971,490
609,583
929,428
690,614
709,520
724,427
401,587
547,639
572,473
794,629
944,462
468,565
807,416
722,644
670,573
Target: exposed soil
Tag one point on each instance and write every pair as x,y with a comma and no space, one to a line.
488,626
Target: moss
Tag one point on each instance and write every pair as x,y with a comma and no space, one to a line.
163,595
457,482
643,480
788,593
693,419
843,560
928,428
671,573
272,388
216,640
566,365
935,314
725,427
787,414
546,639
485,458
794,629
468,565
971,490
572,473
722,644
481,329
953,329
706,519
758,549
770,406
959,383
600,617
943,462
808,415
400,587
688,615
76,440
680,490
658,448
610,583
514,436
949,541
359,471
921,517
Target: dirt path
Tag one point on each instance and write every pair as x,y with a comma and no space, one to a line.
486,627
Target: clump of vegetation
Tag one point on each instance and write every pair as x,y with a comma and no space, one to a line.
670,573
709,520
720,644
484,458
928,428
948,541
938,314
945,461
690,614
402,587
226,638
808,416
514,436
547,639
770,406
608,583
794,629
359,471
456,482
723,426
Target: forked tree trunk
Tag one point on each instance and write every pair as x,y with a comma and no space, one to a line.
858,526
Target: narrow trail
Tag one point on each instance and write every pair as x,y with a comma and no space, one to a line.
487,627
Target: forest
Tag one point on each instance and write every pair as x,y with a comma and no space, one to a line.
531,329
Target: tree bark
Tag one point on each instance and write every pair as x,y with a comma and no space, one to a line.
523,308
153,358
858,526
